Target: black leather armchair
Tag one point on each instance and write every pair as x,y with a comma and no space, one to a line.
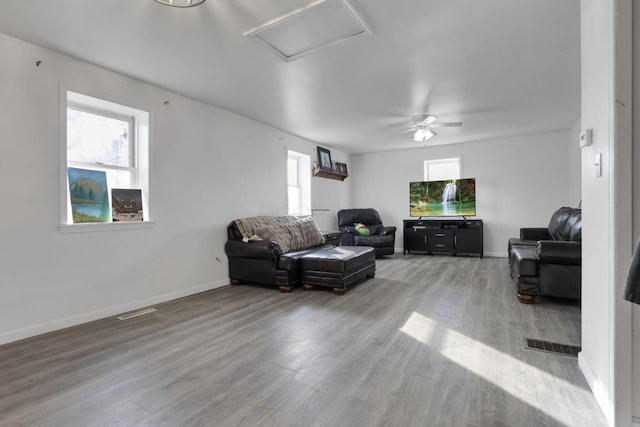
382,239
548,261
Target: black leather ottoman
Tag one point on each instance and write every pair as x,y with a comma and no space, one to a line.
337,267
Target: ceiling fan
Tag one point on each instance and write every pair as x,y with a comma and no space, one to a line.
423,124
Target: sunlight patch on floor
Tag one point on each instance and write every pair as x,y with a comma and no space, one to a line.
510,374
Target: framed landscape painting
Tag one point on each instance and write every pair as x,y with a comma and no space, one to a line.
89,196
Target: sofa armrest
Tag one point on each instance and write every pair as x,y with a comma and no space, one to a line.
349,230
384,231
559,252
258,250
535,233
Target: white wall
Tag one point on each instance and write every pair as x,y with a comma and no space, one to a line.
209,166
575,166
636,203
327,195
606,319
594,358
520,182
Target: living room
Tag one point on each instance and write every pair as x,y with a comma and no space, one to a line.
210,166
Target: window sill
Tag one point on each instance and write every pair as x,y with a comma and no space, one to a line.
104,226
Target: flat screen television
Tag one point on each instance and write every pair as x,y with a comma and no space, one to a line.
453,197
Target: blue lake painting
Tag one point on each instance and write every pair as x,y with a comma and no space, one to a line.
89,196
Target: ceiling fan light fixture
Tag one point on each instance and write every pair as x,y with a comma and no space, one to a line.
423,135
181,3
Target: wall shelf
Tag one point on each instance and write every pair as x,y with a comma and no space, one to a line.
329,174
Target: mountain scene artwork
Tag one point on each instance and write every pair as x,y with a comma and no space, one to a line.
89,196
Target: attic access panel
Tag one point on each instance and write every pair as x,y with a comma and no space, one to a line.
312,27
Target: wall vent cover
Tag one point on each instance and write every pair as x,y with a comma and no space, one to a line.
136,314
552,347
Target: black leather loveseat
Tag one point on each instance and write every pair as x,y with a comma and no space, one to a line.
548,261
286,251
254,260
381,239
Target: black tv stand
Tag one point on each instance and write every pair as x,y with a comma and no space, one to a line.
446,236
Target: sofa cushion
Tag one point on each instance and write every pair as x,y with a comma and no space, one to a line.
558,223
574,226
373,241
295,235
291,259
349,217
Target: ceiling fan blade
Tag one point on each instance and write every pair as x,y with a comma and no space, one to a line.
429,120
423,119
446,125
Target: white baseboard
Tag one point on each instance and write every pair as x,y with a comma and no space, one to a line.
66,322
597,388
496,254
489,254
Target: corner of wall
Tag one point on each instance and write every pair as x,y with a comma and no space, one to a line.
599,391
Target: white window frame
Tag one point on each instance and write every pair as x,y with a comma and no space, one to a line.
428,163
138,161
133,142
303,170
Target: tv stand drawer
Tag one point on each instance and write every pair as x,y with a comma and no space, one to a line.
440,240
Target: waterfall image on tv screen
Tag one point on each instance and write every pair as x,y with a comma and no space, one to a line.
454,197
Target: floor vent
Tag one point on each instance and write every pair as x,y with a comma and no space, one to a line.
136,314
553,347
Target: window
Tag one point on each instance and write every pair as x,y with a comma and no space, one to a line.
442,169
108,138
97,138
298,183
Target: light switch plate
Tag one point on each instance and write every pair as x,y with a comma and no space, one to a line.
586,137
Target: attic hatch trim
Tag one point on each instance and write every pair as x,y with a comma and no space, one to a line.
260,32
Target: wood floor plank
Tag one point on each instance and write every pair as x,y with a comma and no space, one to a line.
431,340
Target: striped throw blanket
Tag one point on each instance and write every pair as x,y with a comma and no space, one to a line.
247,226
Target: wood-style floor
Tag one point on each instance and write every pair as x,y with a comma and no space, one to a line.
430,341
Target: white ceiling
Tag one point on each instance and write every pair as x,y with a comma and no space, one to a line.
502,67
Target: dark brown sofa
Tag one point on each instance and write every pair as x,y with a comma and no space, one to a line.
263,261
547,261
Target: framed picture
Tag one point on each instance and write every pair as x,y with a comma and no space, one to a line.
88,195
341,168
126,204
324,159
